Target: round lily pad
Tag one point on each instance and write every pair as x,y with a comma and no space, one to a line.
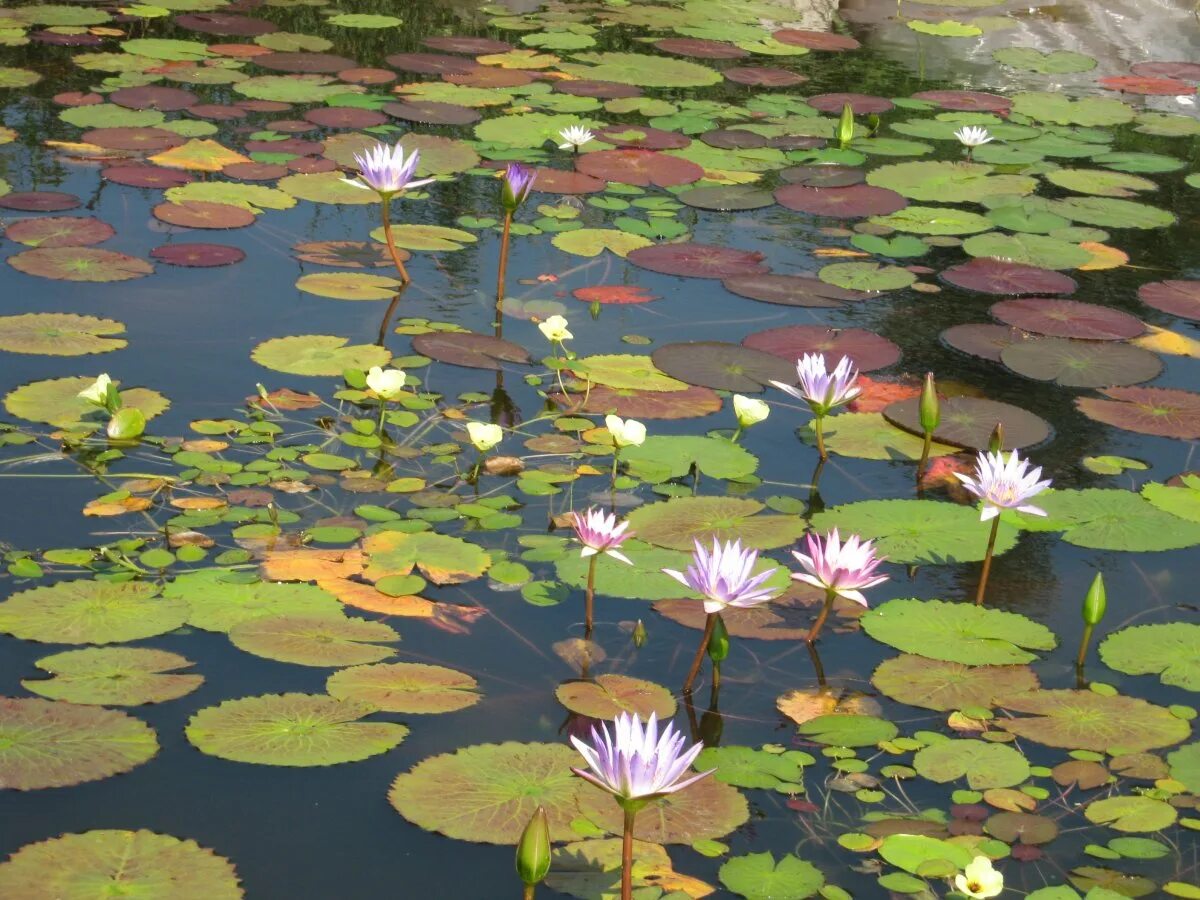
114,676
763,76
1034,249
828,176
317,354
474,351
348,285
792,290
487,792
626,371
1085,720
984,765
850,202
203,214
848,730
124,863
142,176
607,696
347,254
699,48
726,198
640,167
315,640
1164,412
46,744
957,632
1056,317
860,276
967,101
1131,814
308,63
867,350
868,435
954,182
90,612
1112,519
698,260
977,339
1177,297
640,69
728,367
59,231
441,558
1185,766
970,421
628,403
935,220
1107,212
291,730
942,685
40,201
994,276
816,40
59,334
787,617
1170,650
1074,363
406,687
198,255
679,522
432,112
80,264
57,401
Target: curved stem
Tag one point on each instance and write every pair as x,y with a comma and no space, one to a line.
385,207
627,857
818,426
820,623
590,600
987,562
612,482
709,624
501,273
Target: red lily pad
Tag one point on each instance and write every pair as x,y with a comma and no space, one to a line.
640,167
970,421
40,201
994,276
564,181
289,145
785,618
1081,363
851,202
1163,412
1184,71
474,351
1067,318
200,256
698,48
366,76
142,176
59,231
430,64
816,40
868,350
225,24
792,290
203,214
641,137
984,341
1177,297
77,98
288,126
306,63
690,403
345,117
733,139
614,293
1146,85
489,77
153,96
266,106
431,112
473,46
823,176
80,264
218,112
146,140
722,366
601,90
861,104
694,260
763,76
966,101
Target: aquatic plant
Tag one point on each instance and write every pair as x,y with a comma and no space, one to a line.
840,569
822,390
599,533
386,170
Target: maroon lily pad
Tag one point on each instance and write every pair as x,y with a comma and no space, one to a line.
1163,412
642,137
291,126
694,260
345,117
601,90
473,46
252,171
346,254
722,366
225,24
823,176
1081,363
366,76
145,176
69,39
994,276
430,64
203,214
77,98
59,231
307,165
861,104
564,181
80,264
690,403
966,101
40,201
969,422
305,63
265,106
733,139
489,77
152,96
852,202
1146,85
217,112
614,294
474,351
792,290
288,145
145,140
201,256
866,349
643,168
1184,71
1056,317
815,40
1177,297
982,340
698,48
431,112
763,76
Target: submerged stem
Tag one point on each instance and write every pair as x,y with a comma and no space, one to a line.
709,624
987,562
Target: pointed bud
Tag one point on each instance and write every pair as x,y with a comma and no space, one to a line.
845,128
1095,602
639,634
931,411
533,850
718,644
996,441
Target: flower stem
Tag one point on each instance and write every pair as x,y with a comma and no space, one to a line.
590,600
502,273
818,425
612,482
709,624
1084,641
987,562
385,207
382,413
925,448
529,891
824,614
627,857
737,434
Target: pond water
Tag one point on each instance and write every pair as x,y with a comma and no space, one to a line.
175,217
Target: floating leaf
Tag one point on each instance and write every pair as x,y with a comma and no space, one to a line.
848,730
916,852
943,685
216,603
607,696
1185,766
90,612
318,354
348,285
57,401
1131,814
867,350
1067,319
1170,650
291,730
1179,298
707,810
970,421
1074,363
59,334
851,202
860,276
870,436
791,290
678,523
118,676
441,558
594,241
314,640
475,351
1108,212
757,876
84,264
994,276
1111,519
406,687
698,260
957,632
626,372
640,69
749,768
1085,720
592,868
662,457
958,182
984,765
1054,62
729,367
1164,412
59,231
937,220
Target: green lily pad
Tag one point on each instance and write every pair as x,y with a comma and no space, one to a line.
1111,519
120,863
1074,363
984,765
59,334
315,640
216,604
1131,814
705,811
325,187
441,558
677,523
918,531
607,696
662,457
291,730
626,372
934,220
1099,182
592,242
57,401
90,612
1109,212
528,129
870,436
959,182
252,197
915,852
862,276
848,730
1170,650
942,685
640,69
1054,62
318,354
757,876
1085,720
348,285
746,767
116,676
1182,500
1185,766
405,687
1059,109
1031,249
957,632
46,744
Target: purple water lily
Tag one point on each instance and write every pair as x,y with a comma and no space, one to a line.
518,182
386,170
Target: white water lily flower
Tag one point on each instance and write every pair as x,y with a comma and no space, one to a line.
574,137
388,384
97,392
484,435
625,432
979,880
749,411
973,136
555,329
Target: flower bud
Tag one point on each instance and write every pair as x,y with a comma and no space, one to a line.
718,644
845,126
996,441
639,634
533,850
625,432
1095,602
126,424
930,409
749,411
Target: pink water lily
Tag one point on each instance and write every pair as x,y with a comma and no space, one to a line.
601,532
725,577
1004,484
844,568
386,170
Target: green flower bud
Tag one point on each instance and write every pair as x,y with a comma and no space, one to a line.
845,127
533,850
126,424
639,634
996,441
1095,602
718,644
930,409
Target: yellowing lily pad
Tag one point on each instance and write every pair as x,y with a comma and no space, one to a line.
318,354
405,687
442,559
114,676
957,632
677,523
348,285
215,604
942,685
57,401
608,696
1085,720
315,640
59,334
984,765
429,238
90,612
627,372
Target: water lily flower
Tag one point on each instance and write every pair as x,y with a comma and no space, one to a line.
823,391
97,392
979,880
1004,484
574,137
625,432
725,577
973,136
555,329
844,568
518,182
749,411
388,384
386,170
484,435
601,532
